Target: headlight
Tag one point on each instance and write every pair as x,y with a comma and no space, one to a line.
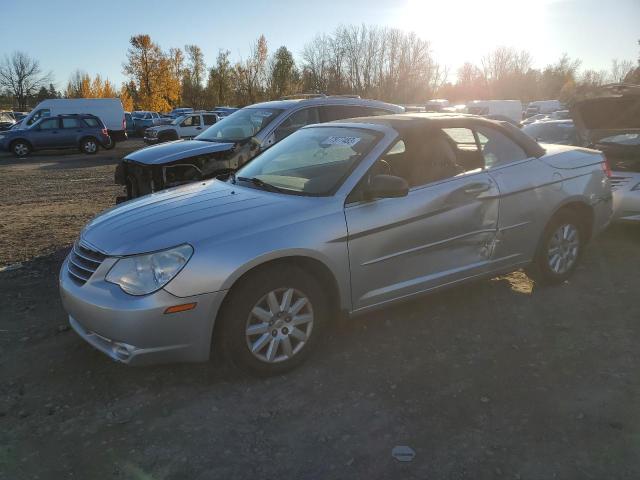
143,274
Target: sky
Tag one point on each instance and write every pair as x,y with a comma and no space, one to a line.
66,35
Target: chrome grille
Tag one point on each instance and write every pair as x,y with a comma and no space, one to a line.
618,181
83,262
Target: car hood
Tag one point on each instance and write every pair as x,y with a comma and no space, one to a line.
178,150
210,211
612,109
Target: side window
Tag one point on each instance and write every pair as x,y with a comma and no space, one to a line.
92,122
295,121
340,112
373,112
49,124
192,121
45,112
498,149
209,119
469,157
71,123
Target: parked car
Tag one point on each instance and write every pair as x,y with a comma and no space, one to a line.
542,106
6,121
178,112
143,120
338,217
19,115
130,124
610,122
508,108
533,118
86,132
436,105
233,141
108,110
224,111
186,126
562,132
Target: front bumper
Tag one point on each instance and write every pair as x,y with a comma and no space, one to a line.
135,330
626,201
150,140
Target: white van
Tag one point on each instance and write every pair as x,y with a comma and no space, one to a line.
511,109
109,110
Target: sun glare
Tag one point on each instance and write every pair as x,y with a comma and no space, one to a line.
465,30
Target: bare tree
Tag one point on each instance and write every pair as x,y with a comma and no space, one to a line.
620,69
22,76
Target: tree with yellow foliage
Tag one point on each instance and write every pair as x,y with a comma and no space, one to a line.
154,74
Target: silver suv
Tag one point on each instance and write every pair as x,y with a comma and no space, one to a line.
234,140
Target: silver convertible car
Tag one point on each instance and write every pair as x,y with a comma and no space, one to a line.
338,218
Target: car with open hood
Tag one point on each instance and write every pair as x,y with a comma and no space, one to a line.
338,217
232,141
609,120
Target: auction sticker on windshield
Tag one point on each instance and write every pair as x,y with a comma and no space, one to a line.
342,141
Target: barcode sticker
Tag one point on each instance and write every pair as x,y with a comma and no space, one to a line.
342,141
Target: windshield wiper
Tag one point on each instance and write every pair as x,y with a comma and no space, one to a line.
261,184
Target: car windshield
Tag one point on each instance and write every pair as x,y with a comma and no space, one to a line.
240,125
623,139
312,161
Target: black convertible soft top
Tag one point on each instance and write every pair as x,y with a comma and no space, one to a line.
418,125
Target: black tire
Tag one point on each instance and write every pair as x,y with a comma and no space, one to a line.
541,268
236,316
21,148
110,145
89,146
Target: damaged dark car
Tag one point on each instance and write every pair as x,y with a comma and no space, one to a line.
229,144
609,121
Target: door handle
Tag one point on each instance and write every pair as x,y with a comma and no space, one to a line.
477,188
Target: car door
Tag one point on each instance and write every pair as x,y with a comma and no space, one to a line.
441,232
71,131
191,126
526,184
46,134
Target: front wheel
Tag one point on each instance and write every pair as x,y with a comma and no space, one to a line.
20,148
272,320
559,251
89,146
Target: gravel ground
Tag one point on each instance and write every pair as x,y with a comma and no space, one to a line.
497,379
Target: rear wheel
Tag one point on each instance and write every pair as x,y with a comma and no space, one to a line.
89,145
109,144
272,320
20,148
560,249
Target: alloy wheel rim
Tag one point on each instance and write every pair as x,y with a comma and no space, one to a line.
279,325
90,147
21,149
563,249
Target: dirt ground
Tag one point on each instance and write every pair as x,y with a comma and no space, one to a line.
497,379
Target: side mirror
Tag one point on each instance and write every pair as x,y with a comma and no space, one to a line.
387,186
